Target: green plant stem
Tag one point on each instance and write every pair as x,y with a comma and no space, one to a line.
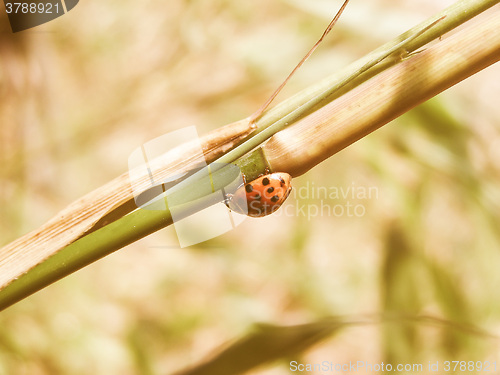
364,68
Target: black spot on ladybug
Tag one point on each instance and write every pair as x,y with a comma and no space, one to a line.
275,199
270,190
282,181
257,197
248,188
265,181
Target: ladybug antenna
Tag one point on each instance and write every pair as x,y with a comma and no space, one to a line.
256,115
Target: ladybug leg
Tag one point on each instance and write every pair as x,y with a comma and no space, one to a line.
227,199
266,171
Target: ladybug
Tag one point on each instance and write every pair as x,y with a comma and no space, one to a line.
261,196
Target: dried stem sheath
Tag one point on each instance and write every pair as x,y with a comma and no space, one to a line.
340,123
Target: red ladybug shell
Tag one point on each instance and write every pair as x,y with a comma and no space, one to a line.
262,196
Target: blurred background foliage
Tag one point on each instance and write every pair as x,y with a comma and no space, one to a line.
78,94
